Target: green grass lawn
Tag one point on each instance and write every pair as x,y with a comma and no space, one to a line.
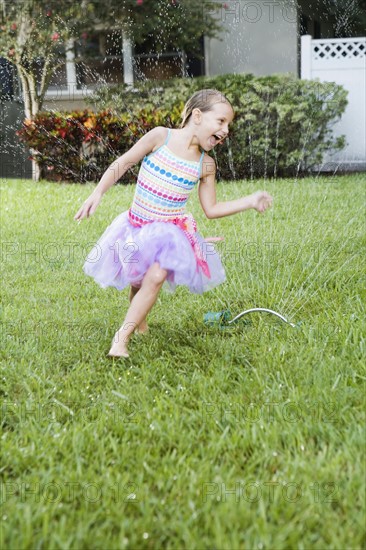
250,437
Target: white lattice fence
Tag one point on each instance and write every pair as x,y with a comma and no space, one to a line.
343,61
348,48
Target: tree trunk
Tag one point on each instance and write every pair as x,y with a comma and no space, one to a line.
36,170
127,59
31,108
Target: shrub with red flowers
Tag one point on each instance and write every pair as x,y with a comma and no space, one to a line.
79,146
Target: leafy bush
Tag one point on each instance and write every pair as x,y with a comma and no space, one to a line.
79,146
282,126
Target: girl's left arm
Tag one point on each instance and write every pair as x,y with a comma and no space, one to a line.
260,200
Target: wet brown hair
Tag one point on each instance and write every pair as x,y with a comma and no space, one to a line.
202,100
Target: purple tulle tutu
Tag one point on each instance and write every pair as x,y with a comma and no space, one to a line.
124,253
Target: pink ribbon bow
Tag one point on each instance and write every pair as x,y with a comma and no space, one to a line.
189,226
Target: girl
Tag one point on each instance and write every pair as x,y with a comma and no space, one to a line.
156,240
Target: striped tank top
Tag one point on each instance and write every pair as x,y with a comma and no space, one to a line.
164,184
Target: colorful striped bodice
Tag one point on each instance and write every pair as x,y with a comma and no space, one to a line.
163,186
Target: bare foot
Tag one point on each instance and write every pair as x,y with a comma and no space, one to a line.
142,328
118,347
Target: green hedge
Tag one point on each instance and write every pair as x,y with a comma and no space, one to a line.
282,126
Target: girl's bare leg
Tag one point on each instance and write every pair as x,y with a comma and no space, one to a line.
142,328
140,306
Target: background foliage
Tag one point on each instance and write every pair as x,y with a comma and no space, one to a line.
282,126
349,16
36,33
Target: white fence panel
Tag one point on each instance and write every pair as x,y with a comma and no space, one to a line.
341,60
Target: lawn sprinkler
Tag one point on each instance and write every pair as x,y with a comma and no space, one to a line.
222,318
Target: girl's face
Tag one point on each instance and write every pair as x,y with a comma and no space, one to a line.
213,125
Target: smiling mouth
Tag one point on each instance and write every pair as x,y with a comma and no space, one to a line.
218,138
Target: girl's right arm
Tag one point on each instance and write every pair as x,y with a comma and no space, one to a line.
116,170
